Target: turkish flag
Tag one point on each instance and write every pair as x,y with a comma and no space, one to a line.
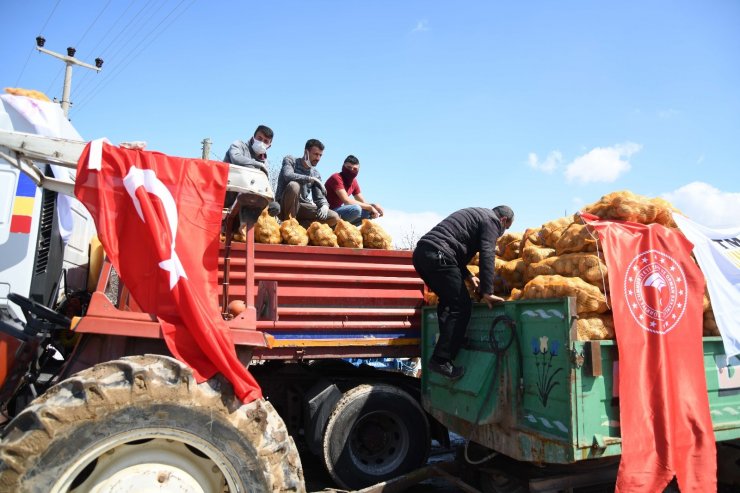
656,298
158,218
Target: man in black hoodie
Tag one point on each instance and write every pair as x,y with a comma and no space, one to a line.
441,258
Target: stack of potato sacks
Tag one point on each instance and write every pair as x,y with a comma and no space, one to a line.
344,234
561,258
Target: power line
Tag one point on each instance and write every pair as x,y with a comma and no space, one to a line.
132,58
24,67
133,35
93,23
49,18
31,51
139,29
59,72
82,81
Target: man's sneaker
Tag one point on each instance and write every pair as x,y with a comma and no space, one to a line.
447,369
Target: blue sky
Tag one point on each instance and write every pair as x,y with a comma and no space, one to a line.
544,106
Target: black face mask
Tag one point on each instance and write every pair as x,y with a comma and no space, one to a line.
349,174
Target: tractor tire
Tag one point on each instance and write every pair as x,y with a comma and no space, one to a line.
142,423
375,433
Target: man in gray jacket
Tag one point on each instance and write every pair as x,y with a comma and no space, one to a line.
300,191
252,154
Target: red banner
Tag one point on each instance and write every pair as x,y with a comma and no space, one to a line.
158,218
656,293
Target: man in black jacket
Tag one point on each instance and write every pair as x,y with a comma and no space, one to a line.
441,258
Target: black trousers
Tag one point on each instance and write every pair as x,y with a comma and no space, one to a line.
443,276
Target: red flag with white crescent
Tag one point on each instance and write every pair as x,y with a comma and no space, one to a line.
656,293
158,218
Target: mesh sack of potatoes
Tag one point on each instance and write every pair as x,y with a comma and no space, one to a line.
293,233
588,297
29,93
595,326
348,235
512,273
706,304
475,260
374,236
710,324
587,266
533,253
320,234
628,206
551,231
542,268
575,238
515,294
508,244
500,286
530,237
267,230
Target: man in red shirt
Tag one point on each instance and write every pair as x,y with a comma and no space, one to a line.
345,198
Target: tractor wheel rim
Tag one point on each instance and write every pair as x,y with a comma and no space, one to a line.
149,460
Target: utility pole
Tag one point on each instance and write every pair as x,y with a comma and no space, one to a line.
206,148
69,60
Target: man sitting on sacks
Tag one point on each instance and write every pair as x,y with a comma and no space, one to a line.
345,197
252,154
300,191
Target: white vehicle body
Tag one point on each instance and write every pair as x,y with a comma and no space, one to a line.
42,234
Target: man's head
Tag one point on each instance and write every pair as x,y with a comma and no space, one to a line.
313,151
262,140
264,134
505,215
351,166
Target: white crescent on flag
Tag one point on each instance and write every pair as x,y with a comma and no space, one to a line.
147,178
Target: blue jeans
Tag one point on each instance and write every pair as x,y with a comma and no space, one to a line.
352,213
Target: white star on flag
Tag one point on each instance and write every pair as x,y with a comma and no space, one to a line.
175,268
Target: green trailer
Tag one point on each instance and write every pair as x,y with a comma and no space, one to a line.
533,392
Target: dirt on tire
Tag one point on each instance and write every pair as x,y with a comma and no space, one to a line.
85,411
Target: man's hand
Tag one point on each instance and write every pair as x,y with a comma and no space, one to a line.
378,209
475,281
492,299
323,212
374,212
316,182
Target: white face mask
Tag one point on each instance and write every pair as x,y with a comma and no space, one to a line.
259,147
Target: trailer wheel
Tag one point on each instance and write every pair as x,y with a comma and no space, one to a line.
375,432
142,423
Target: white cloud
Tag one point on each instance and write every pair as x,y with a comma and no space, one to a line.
706,205
407,227
421,26
602,164
553,160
